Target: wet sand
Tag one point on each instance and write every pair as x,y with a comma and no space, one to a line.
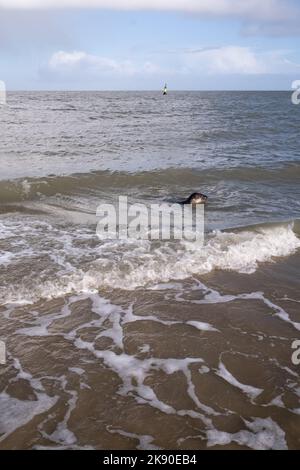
188,365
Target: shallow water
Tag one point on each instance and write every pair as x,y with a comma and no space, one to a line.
138,343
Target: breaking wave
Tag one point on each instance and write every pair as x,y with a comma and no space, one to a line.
132,264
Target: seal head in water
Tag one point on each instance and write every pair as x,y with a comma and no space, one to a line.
196,198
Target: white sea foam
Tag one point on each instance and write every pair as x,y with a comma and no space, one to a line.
77,370
134,370
16,413
241,252
262,434
137,263
131,369
211,296
251,391
145,441
201,326
144,349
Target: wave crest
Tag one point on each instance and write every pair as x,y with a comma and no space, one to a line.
132,264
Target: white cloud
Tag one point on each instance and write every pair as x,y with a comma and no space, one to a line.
82,63
225,60
230,60
62,60
214,61
266,10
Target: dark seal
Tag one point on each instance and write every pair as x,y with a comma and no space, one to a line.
196,198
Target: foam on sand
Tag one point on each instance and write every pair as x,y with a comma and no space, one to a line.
16,413
262,434
224,373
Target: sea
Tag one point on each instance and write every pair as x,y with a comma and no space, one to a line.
138,343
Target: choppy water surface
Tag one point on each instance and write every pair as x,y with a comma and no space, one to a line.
142,344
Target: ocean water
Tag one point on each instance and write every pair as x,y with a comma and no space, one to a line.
139,343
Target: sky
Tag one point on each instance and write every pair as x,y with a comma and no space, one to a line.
141,44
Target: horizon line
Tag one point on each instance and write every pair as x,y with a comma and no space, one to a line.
146,91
